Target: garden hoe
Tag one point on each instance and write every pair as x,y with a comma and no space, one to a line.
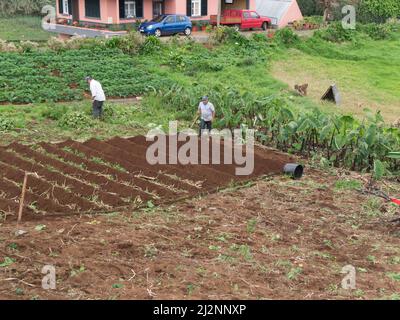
194,122
381,194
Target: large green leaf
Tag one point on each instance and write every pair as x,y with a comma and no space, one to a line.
379,170
394,155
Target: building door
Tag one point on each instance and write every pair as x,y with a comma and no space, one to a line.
75,10
158,7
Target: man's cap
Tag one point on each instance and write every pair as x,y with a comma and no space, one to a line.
88,78
204,98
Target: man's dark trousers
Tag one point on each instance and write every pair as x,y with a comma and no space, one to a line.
205,125
97,109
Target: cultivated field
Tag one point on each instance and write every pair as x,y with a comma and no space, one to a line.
115,227
273,238
73,177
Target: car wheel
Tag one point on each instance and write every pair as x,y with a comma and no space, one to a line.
265,26
188,32
157,33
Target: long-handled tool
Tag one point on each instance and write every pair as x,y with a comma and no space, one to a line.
194,121
381,194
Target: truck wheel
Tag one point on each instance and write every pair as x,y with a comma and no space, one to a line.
157,33
188,31
265,26
236,27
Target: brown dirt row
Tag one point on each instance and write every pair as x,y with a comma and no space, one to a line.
80,172
209,176
132,169
10,208
264,162
11,191
77,187
45,189
122,177
119,154
106,184
223,174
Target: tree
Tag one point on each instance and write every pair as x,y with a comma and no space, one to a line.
27,7
327,5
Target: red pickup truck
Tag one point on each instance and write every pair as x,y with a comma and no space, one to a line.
242,19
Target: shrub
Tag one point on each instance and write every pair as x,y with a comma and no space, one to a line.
7,124
224,34
28,46
259,37
130,44
75,120
377,31
118,114
378,10
287,37
336,33
78,42
151,44
56,44
246,62
54,112
27,7
7,46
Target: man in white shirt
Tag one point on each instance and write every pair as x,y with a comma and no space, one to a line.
206,111
98,97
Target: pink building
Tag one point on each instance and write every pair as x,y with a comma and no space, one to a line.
114,12
281,12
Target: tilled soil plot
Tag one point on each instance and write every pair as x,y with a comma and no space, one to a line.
99,176
274,238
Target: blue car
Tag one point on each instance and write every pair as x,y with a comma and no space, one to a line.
167,24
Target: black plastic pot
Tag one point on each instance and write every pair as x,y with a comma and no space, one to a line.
294,170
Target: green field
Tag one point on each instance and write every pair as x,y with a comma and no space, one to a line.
369,82
22,28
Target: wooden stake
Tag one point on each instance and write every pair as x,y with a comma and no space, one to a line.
22,200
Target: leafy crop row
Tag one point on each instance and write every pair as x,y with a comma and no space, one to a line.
341,140
47,76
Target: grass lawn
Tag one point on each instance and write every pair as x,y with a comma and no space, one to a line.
371,82
22,28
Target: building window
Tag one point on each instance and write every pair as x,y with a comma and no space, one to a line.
65,7
130,9
196,8
92,8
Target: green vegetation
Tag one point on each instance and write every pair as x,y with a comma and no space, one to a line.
49,121
20,28
348,184
23,75
173,76
7,262
364,69
378,10
27,7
